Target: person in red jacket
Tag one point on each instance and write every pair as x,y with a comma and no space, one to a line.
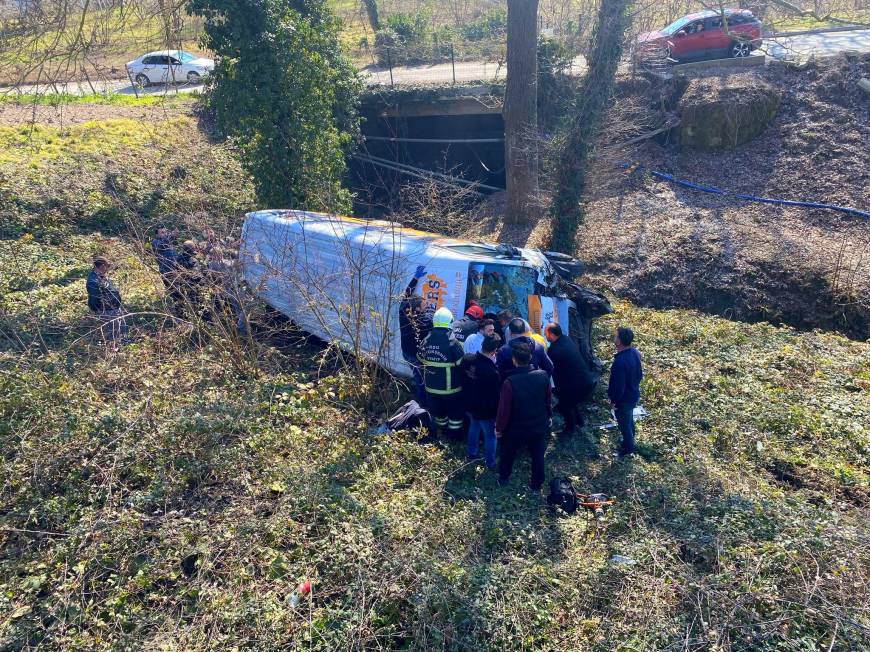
524,416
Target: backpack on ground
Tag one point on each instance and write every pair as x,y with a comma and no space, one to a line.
410,417
563,495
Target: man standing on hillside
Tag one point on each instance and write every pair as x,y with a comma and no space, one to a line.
104,300
573,380
440,355
167,265
414,325
523,420
481,385
624,388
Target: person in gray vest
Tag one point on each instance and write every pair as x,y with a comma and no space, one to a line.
524,416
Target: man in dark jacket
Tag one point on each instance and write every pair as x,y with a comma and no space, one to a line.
104,300
188,278
523,419
573,380
517,334
468,325
440,355
481,385
624,387
167,265
163,250
414,325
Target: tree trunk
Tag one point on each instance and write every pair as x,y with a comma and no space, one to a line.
521,112
593,98
372,12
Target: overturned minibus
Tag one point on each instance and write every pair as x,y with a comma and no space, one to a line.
342,279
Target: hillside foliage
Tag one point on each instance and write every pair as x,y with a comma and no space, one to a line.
155,498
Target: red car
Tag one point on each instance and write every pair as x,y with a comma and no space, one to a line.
704,35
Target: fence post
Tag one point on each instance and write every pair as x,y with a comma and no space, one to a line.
453,62
390,65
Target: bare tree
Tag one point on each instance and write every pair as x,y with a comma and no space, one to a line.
521,113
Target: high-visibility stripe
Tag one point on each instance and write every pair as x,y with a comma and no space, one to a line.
445,365
444,392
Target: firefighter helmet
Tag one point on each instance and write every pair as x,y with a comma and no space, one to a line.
442,318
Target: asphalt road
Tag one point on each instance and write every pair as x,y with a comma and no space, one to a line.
793,48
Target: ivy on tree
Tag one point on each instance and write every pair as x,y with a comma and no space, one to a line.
284,92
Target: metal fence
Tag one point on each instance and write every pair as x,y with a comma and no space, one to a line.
444,64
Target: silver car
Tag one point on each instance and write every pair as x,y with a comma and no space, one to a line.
169,67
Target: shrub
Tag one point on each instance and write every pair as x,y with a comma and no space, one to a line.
490,25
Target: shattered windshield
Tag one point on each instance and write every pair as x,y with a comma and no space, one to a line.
498,287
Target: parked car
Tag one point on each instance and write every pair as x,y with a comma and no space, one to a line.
169,67
703,35
342,279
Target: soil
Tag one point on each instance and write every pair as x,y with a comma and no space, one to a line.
662,245
69,114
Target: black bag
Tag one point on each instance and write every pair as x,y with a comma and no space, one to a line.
563,495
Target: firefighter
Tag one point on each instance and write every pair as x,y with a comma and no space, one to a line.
440,355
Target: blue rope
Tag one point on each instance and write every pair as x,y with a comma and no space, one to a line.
745,197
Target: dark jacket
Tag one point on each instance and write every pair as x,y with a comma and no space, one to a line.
464,327
504,357
440,355
188,261
571,374
524,406
625,377
413,328
481,384
103,296
165,254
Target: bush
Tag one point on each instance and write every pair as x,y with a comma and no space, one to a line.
410,29
284,91
490,25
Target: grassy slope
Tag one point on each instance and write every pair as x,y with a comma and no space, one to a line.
154,497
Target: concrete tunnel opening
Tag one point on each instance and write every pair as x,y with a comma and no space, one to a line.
405,138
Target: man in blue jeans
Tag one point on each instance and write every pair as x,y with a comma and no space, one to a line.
624,387
481,386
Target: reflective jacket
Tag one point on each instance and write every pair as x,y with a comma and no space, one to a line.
440,355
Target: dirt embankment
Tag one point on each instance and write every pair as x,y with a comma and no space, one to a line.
662,245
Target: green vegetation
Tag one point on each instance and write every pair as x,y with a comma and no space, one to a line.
34,143
286,94
169,100
155,497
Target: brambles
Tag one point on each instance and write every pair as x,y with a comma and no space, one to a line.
154,497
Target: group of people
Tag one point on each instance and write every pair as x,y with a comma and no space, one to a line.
199,278
494,379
